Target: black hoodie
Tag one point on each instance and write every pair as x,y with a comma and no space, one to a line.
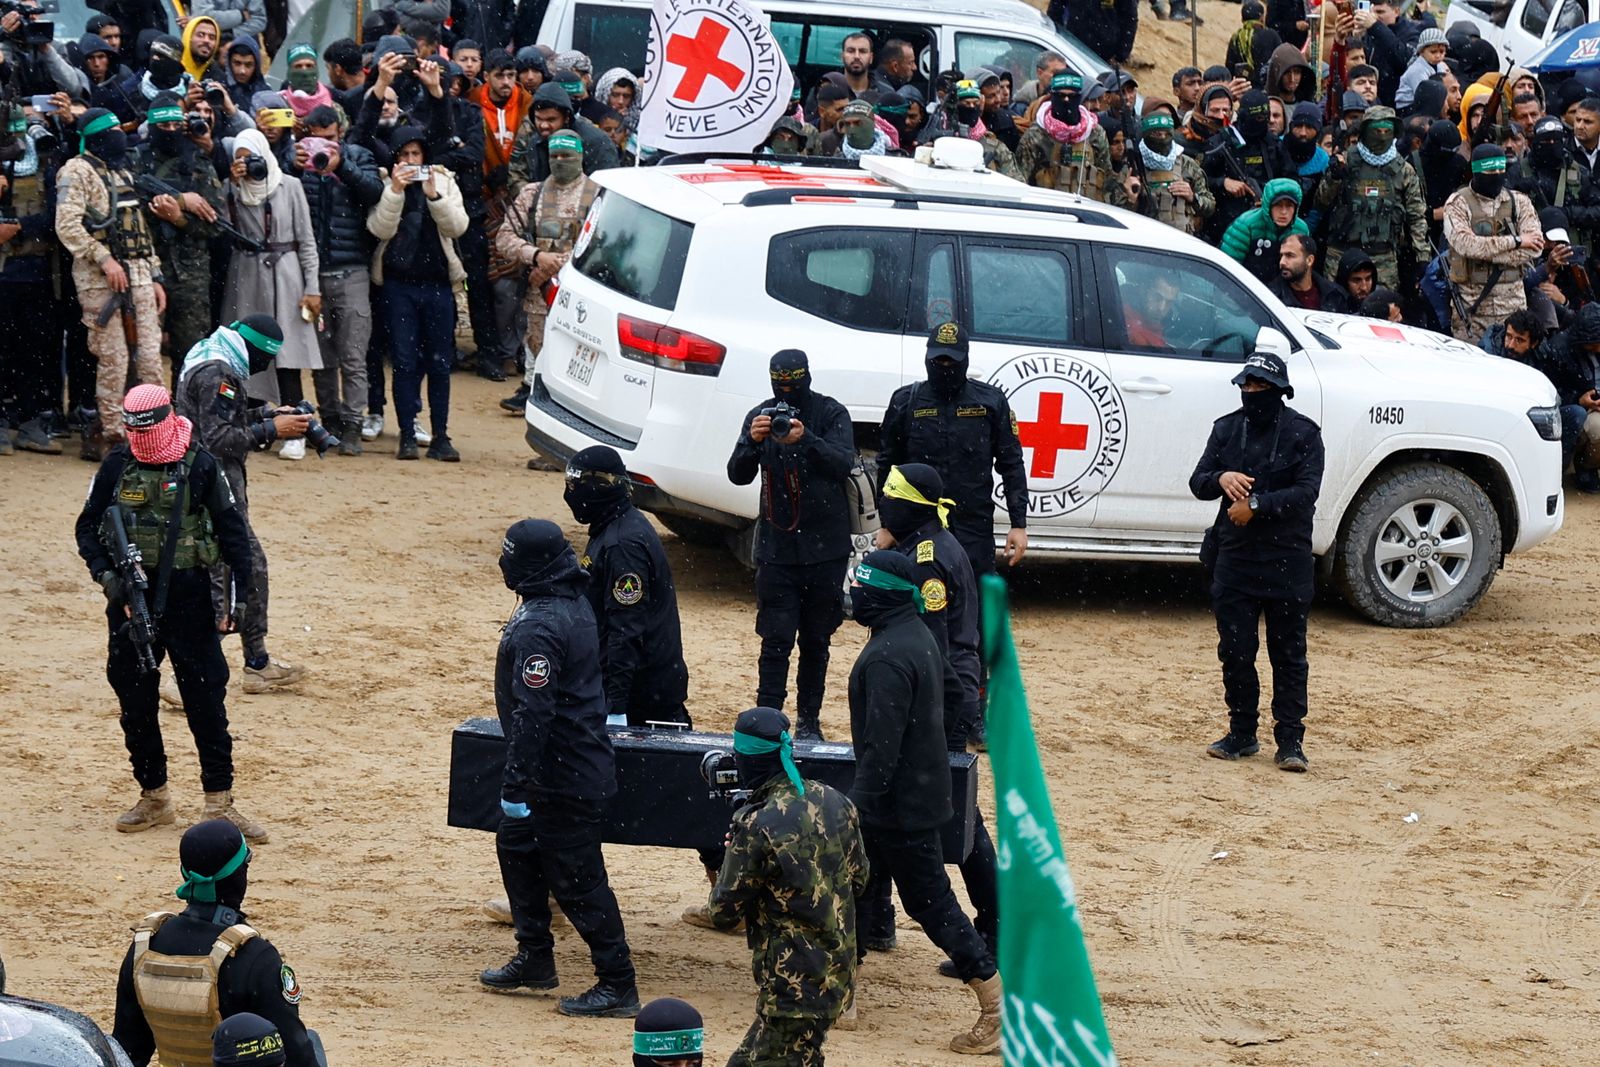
547,690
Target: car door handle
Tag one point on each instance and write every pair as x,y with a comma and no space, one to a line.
1146,386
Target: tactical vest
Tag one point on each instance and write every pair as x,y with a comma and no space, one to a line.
28,198
554,229
125,228
178,994
147,496
1072,169
1368,212
1174,211
1501,223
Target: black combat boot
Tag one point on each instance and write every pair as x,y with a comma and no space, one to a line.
517,401
527,970
490,369
809,727
1233,746
947,969
604,1000
407,449
1290,756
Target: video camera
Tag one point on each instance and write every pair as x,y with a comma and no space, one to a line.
32,32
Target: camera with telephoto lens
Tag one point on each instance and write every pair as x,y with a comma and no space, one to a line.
782,416
721,772
255,168
317,434
196,125
215,95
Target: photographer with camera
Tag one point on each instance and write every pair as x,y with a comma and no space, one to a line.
29,62
342,185
794,866
212,394
803,445
177,150
30,369
280,274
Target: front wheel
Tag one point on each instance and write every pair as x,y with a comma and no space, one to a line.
1419,547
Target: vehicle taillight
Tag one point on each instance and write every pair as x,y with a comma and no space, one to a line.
549,290
665,347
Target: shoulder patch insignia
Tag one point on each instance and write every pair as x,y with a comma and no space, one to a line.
933,594
1016,431
227,391
536,671
586,563
291,985
925,552
628,590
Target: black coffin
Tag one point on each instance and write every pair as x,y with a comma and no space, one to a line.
661,798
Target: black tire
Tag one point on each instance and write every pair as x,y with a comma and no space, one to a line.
742,543
1373,515
695,531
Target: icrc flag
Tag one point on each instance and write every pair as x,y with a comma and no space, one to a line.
715,79
1051,1011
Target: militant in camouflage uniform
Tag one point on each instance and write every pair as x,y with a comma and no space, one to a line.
1066,149
1493,233
182,234
100,220
795,864
964,120
1552,177
1164,165
1374,202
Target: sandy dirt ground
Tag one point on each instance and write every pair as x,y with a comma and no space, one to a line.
1332,931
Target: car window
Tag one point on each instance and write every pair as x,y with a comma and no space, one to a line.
633,250
1173,305
975,50
1536,16
935,301
1571,17
611,36
1020,293
813,46
857,278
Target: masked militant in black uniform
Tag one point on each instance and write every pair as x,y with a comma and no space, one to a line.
174,504
186,973
1264,462
901,787
560,768
795,865
803,535
631,592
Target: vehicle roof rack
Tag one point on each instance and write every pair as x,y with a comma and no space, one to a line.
679,159
902,198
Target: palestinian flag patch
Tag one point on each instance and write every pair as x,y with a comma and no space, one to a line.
227,391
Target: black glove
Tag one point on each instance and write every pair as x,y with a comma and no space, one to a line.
111,583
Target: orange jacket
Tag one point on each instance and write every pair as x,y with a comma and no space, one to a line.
500,124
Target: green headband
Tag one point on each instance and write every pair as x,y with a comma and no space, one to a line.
18,122
1381,124
668,1043
1160,120
100,125
300,50
572,88
881,579
563,139
751,745
165,113
894,109
1489,165
1062,82
259,340
202,888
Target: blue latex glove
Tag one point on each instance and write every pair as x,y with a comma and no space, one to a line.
514,811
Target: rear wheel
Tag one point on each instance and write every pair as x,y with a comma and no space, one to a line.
695,531
1419,548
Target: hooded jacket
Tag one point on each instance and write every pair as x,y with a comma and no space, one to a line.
1571,369
448,213
497,153
805,514
1473,96
602,92
1352,260
548,693
241,92
530,157
1287,57
339,205
196,68
1253,238
211,393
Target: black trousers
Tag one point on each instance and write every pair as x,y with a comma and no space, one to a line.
915,861
378,345
977,873
187,634
81,364
30,365
555,852
1238,639
473,249
804,601
980,552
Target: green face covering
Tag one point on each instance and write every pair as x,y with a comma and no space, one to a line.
303,80
566,168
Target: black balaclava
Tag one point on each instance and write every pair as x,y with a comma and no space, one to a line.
597,484
166,62
902,517
791,376
267,327
947,339
894,109
667,1030
1261,407
215,863
109,145
167,143
247,1039
1488,170
1255,115
1066,98
872,606
768,724
1549,146
531,549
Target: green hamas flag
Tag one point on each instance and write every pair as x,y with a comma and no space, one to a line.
1052,1014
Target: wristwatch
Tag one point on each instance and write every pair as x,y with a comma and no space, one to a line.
1255,502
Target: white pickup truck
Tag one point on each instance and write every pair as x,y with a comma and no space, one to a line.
1520,28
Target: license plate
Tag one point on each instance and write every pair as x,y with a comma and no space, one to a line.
580,368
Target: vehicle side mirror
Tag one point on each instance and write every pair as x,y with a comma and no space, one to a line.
1273,341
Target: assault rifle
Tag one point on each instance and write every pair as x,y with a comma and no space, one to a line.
1232,164
151,186
125,556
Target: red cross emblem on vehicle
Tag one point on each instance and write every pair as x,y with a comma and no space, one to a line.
1048,436
700,57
